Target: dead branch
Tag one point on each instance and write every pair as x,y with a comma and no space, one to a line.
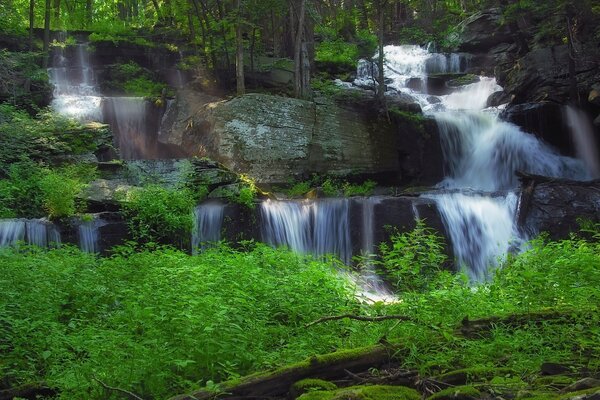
116,389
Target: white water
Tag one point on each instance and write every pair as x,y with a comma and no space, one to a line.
11,232
316,227
481,152
208,220
74,83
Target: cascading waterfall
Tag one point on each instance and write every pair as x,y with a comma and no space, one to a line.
208,220
481,153
317,227
76,95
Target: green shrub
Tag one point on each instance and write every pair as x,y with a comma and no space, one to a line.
414,261
338,54
58,194
159,215
364,189
133,80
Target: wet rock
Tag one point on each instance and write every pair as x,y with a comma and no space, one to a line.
555,207
105,195
404,102
415,84
497,98
483,31
597,121
543,74
226,191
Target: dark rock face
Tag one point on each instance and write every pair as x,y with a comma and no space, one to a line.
483,31
556,206
420,155
545,120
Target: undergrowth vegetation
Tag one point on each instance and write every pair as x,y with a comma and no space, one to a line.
159,322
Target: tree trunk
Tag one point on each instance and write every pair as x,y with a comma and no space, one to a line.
239,54
381,78
31,22
89,12
298,50
47,32
56,13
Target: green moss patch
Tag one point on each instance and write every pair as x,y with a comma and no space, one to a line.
365,393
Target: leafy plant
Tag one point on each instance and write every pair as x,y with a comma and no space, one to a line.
159,215
414,261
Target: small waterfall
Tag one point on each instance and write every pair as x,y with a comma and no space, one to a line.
128,120
42,233
481,228
74,85
208,220
371,284
582,133
317,227
37,232
89,235
11,231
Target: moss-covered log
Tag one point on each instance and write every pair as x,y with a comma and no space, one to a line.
278,382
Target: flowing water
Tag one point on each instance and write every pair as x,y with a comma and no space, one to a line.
208,220
583,136
37,232
77,95
316,227
89,235
482,154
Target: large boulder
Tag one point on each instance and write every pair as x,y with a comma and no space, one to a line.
483,31
274,139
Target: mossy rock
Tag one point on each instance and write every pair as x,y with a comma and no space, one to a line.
310,385
378,392
457,393
471,375
535,395
463,80
581,394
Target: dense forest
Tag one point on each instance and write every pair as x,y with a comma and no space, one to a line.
300,199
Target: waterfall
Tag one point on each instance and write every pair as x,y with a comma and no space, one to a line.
75,92
208,220
89,235
127,116
317,227
582,133
37,232
480,152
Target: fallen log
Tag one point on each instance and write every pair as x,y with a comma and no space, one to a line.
277,383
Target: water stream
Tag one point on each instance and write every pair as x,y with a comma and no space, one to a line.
208,220
36,232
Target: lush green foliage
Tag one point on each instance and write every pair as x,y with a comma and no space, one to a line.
159,215
414,261
331,186
159,322
133,80
31,191
22,81
45,137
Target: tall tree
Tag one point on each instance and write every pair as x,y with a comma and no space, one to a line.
31,22
239,53
47,32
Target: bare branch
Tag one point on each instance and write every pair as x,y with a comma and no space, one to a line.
116,389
